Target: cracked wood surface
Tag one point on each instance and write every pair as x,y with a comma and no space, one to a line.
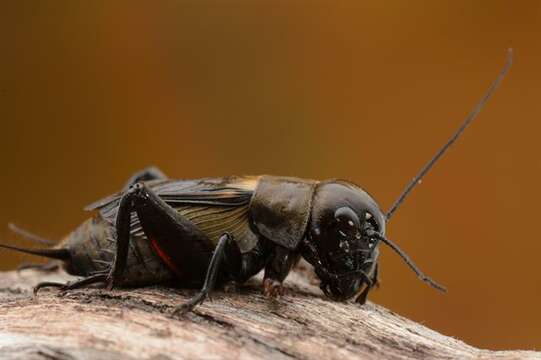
135,324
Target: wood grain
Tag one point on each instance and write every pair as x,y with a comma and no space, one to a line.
135,324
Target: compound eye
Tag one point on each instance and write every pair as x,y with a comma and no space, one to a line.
348,223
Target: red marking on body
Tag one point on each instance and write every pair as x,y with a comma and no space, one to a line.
166,258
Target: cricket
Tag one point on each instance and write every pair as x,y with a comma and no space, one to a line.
206,232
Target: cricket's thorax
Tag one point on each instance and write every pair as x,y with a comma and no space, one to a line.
280,208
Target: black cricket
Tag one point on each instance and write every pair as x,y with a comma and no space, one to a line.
210,231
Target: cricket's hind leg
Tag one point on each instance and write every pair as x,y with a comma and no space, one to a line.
147,174
93,279
181,245
178,242
185,249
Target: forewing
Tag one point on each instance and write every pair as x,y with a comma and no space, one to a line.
215,205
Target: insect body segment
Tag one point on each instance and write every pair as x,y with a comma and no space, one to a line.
92,250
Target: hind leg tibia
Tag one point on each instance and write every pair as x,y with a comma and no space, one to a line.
93,279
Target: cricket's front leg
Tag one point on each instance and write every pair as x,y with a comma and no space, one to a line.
374,282
280,264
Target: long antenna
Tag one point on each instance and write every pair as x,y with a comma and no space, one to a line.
417,179
410,262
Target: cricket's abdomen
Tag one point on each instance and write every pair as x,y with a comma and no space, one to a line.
93,244
213,205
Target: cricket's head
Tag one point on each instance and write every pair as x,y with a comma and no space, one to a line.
340,241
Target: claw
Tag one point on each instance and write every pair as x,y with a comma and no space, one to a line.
110,284
231,287
189,305
45,284
272,288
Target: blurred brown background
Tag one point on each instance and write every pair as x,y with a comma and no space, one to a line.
92,91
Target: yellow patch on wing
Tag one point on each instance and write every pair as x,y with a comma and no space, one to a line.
213,221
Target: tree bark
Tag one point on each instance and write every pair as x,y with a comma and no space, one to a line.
135,323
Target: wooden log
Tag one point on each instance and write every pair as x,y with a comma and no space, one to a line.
136,324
